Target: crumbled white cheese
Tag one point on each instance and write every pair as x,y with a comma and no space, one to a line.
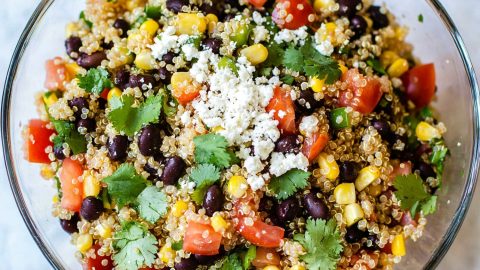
325,47
258,18
190,51
253,165
201,69
185,118
281,163
309,125
260,33
256,182
297,36
166,41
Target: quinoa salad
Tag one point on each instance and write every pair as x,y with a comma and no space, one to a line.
238,134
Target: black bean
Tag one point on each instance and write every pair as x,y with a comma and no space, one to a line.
153,173
213,43
287,210
78,104
213,200
316,208
72,45
426,170
107,46
266,204
358,25
233,3
164,75
117,148
383,128
122,25
189,263
91,208
348,171
122,77
142,81
70,225
91,60
348,7
149,141
88,124
288,144
306,102
58,152
206,260
176,5
102,103
373,243
168,57
209,9
174,169
380,20
354,234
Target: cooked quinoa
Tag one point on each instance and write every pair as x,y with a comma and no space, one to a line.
238,135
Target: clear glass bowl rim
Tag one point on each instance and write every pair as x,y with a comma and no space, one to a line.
437,255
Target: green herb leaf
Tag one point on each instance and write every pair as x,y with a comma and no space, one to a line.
124,185
84,19
95,80
420,18
212,148
425,113
177,245
68,133
275,56
129,119
438,155
232,262
135,247
153,12
376,65
288,79
204,175
287,184
293,59
412,194
249,257
152,204
323,244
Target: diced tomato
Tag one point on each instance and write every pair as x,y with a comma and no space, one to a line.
407,219
257,3
104,93
266,257
403,168
363,93
260,233
186,94
284,110
72,188
419,84
387,248
56,74
293,14
201,239
99,262
313,146
38,138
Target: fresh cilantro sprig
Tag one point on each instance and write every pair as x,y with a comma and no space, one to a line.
204,175
438,155
124,185
287,184
322,242
129,119
411,193
152,204
84,19
213,149
135,247
231,262
249,256
68,133
377,66
95,81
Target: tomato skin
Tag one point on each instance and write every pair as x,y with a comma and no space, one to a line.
72,193
38,138
257,3
299,17
403,168
96,263
262,260
419,84
313,146
363,98
260,233
56,74
282,101
185,97
195,243
104,93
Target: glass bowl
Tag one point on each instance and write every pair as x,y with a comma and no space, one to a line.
435,40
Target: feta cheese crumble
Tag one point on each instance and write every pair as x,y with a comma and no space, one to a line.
281,163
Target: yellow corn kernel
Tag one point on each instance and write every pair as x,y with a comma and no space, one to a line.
49,98
345,193
316,84
179,208
91,186
70,29
398,68
343,69
73,69
328,166
55,199
328,32
218,223
114,92
150,26
398,245
320,5
426,132
388,57
401,33
256,53
366,176
166,254
212,20
353,213
297,267
123,55
134,38
237,186
217,129
375,190
145,61
103,230
181,80
84,242
47,172
191,23
271,267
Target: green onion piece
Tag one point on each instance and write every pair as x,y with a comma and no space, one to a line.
227,62
339,118
153,12
240,37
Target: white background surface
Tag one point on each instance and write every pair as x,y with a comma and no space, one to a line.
17,248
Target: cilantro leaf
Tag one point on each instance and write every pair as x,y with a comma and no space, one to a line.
68,133
95,80
129,119
249,257
275,56
135,247
84,19
438,155
212,148
232,262
124,185
322,242
376,65
288,79
293,59
177,245
287,184
204,176
152,204
420,18
412,194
